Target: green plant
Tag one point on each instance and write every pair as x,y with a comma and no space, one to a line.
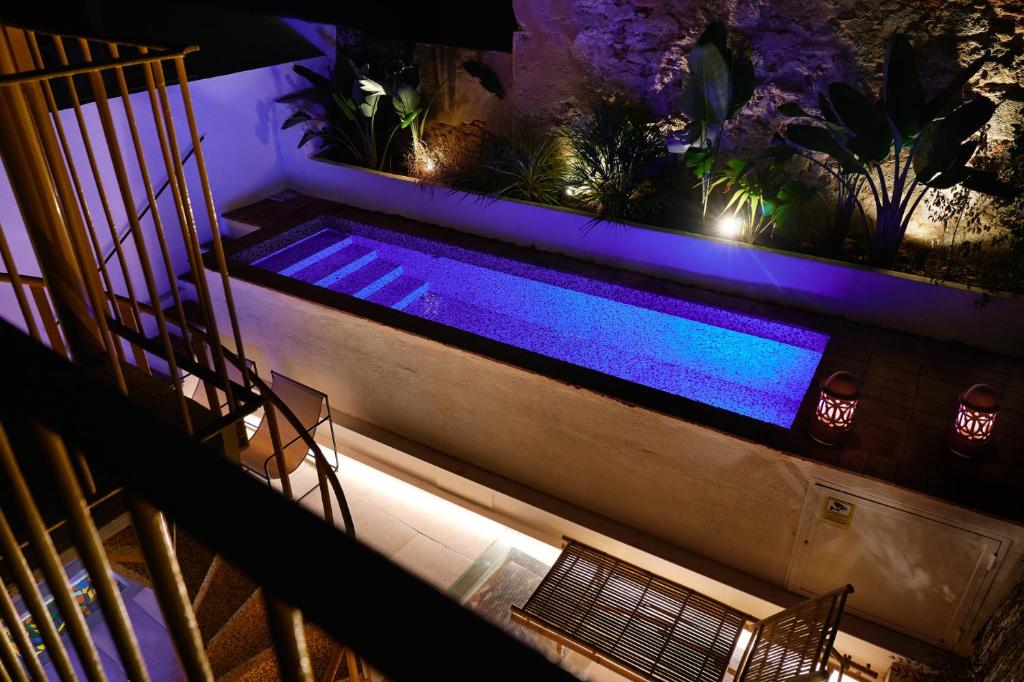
617,164
719,83
881,141
407,99
530,167
340,110
762,195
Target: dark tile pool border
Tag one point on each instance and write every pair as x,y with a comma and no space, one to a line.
793,440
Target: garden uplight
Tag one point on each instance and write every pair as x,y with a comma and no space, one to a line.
975,419
730,226
836,409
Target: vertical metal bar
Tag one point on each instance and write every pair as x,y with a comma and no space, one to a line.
38,194
9,615
12,271
289,636
37,59
218,248
275,439
136,316
74,234
140,244
172,276
192,242
26,583
158,550
4,664
353,668
90,550
50,564
49,322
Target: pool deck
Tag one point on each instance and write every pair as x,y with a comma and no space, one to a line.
910,386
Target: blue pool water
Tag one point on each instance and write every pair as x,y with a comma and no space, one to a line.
745,364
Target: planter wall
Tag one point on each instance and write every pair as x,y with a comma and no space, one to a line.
902,302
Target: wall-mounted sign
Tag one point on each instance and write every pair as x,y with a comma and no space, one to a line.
838,512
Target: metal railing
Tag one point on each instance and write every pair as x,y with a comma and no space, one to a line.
79,408
398,623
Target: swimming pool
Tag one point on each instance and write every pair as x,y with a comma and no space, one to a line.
742,363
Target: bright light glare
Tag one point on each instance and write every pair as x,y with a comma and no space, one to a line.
730,226
428,165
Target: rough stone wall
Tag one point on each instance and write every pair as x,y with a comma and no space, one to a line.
570,53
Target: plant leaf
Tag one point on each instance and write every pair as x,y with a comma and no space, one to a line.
901,88
313,77
938,104
306,137
486,76
295,119
706,90
817,139
987,182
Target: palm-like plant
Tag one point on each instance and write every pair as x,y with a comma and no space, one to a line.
879,142
762,196
532,168
340,110
617,164
719,83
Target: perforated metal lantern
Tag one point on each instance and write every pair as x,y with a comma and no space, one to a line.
836,410
975,420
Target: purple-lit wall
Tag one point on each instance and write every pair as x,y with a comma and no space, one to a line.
240,119
862,294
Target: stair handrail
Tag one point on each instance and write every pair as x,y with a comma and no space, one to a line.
324,469
230,512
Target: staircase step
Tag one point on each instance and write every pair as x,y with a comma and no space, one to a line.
367,279
263,666
401,292
243,636
195,560
353,255
193,313
296,252
223,592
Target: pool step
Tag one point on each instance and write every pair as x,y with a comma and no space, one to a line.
296,253
362,256
401,292
366,280
341,261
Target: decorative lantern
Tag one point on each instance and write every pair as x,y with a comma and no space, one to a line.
975,418
837,407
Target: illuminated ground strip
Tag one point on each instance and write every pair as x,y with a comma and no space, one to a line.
741,363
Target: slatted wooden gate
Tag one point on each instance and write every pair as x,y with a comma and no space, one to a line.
648,628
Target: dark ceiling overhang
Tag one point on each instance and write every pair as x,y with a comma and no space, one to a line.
229,41
481,25
239,36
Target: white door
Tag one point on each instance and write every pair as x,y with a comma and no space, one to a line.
920,575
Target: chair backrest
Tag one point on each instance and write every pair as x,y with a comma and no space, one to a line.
305,402
794,644
307,405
